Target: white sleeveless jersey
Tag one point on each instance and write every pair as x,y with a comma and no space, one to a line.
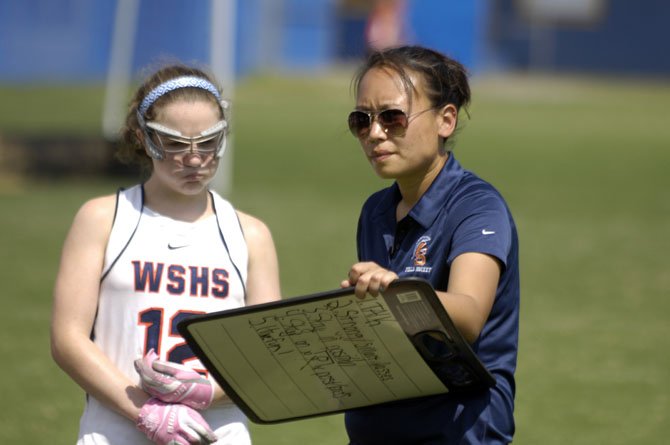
157,272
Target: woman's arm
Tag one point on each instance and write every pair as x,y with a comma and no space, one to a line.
74,309
473,280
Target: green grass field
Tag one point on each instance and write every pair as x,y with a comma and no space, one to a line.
583,164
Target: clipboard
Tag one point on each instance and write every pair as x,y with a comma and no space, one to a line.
330,352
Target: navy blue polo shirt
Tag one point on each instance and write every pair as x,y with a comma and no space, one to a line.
459,213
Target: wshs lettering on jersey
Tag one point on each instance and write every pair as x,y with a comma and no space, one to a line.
175,279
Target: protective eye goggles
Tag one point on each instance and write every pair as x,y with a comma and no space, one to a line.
161,140
164,140
394,121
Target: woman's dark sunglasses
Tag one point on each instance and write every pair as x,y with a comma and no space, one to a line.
393,121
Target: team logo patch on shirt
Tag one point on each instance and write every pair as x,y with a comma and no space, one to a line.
419,258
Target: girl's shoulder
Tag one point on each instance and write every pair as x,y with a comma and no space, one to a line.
97,210
252,226
93,221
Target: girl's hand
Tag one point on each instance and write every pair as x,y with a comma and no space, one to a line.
174,383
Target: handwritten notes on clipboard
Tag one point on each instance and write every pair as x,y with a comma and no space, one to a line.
313,355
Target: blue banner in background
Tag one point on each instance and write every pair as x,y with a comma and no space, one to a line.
61,41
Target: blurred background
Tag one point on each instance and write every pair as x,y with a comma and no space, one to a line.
74,43
570,120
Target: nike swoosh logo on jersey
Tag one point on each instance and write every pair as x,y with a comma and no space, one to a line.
487,232
176,246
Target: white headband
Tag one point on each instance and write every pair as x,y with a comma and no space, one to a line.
175,84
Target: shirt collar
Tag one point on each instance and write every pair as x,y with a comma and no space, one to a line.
431,203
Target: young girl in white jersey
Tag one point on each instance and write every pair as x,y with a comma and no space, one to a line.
136,263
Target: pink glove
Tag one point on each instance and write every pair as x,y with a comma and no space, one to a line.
173,424
174,383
